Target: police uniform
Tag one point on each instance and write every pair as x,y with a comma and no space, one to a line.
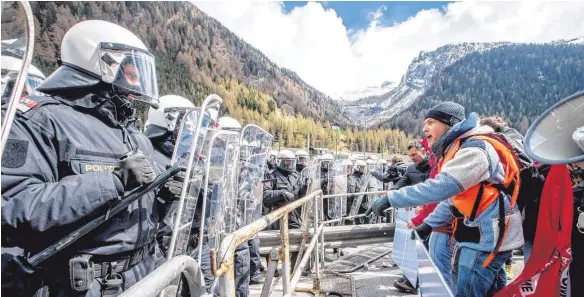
273,198
325,187
361,181
352,187
56,171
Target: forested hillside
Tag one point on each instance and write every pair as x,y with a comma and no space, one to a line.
516,81
196,56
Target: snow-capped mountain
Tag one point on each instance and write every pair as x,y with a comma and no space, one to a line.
374,109
577,40
353,95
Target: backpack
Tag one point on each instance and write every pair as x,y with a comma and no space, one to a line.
532,176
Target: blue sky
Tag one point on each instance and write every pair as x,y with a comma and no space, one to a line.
355,14
338,47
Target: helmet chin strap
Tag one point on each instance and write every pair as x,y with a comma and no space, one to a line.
124,106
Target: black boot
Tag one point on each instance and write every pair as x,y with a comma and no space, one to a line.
404,285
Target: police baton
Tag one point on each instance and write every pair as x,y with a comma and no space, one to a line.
29,265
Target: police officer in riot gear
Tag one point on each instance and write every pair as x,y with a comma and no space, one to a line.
163,125
302,160
362,180
271,163
76,152
394,171
352,185
10,68
256,268
285,188
326,164
162,128
242,251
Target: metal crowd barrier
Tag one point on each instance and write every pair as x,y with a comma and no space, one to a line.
226,272
167,273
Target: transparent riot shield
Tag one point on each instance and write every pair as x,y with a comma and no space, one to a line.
255,146
184,139
190,138
220,188
186,132
310,176
373,186
359,200
337,179
17,46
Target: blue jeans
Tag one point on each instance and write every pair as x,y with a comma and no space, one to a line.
441,253
472,280
527,251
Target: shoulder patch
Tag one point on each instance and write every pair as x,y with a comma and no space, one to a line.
25,104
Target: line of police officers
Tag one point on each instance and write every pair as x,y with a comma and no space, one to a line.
75,151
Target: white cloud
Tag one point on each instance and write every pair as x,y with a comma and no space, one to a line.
312,40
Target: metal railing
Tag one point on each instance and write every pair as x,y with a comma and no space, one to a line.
226,272
167,274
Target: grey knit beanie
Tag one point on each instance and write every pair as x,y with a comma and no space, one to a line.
448,113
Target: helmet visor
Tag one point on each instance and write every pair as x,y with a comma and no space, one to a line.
173,117
287,164
303,160
130,69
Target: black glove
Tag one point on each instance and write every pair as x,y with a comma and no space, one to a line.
378,206
173,187
288,196
423,230
134,171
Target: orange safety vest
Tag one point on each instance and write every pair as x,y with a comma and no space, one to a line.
476,199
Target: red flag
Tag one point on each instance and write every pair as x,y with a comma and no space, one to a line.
546,272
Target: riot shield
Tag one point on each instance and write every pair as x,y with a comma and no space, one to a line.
310,176
17,45
337,179
404,247
220,188
359,200
255,146
373,185
184,138
190,139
